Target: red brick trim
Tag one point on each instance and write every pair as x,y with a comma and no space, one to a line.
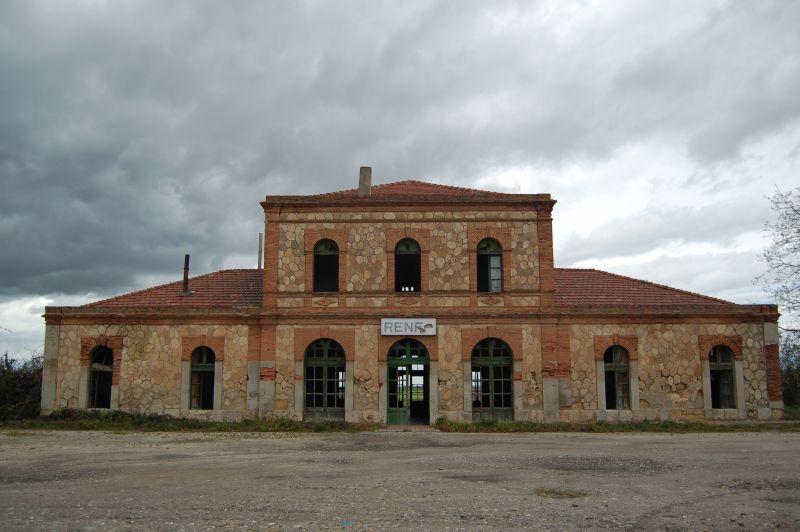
705,344
472,335
774,387
423,238
557,370
305,336
90,343
253,343
190,343
630,343
310,239
271,248
544,225
267,374
431,343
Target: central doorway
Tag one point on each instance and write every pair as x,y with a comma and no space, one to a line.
408,398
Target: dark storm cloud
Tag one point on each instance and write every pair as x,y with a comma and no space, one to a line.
131,133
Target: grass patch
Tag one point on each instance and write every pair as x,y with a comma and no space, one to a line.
679,427
120,422
791,412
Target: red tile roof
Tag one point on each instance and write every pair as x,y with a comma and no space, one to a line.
589,287
225,288
416,188
574,287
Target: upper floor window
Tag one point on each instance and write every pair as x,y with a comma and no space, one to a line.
490,266
407,264
326,266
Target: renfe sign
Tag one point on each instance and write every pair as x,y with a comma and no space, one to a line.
408,326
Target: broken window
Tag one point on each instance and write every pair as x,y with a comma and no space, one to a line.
325,375
407,262
202,391
101,369
720,360
490,266
615,364
492,384
326,266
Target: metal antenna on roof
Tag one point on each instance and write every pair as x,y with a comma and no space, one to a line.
186,274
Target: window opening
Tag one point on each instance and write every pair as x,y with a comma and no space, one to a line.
326,266
101,369
202,387
490,266
616,374
325,376
408,395
492,383
720,360
407,264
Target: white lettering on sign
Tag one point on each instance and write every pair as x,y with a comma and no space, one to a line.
408,326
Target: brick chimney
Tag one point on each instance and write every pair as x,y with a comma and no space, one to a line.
365,181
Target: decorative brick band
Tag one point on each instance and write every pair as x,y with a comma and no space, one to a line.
557,370
90,343
267,374
629,343
707,342
190,343
774,387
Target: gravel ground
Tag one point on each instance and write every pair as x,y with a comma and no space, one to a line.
392,480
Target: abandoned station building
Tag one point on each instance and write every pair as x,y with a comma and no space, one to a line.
410,301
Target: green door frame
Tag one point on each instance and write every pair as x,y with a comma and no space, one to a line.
401,362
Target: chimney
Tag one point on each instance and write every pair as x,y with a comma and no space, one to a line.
365,181
186,274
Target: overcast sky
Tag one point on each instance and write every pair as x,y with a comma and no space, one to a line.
134,132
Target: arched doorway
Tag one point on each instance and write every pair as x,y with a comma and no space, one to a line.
324,379
408,391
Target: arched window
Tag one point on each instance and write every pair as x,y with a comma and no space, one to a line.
617,378
490,266
202,391
492,367
326,266
720,360
325,371
101,369
407,263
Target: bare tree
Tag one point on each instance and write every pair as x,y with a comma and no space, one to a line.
782,278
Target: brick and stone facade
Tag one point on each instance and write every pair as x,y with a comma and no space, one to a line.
557,326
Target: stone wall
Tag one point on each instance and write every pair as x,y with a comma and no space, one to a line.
150,368
451,373
365,248
670,366
669,360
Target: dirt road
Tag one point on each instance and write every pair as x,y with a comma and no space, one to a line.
393,480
